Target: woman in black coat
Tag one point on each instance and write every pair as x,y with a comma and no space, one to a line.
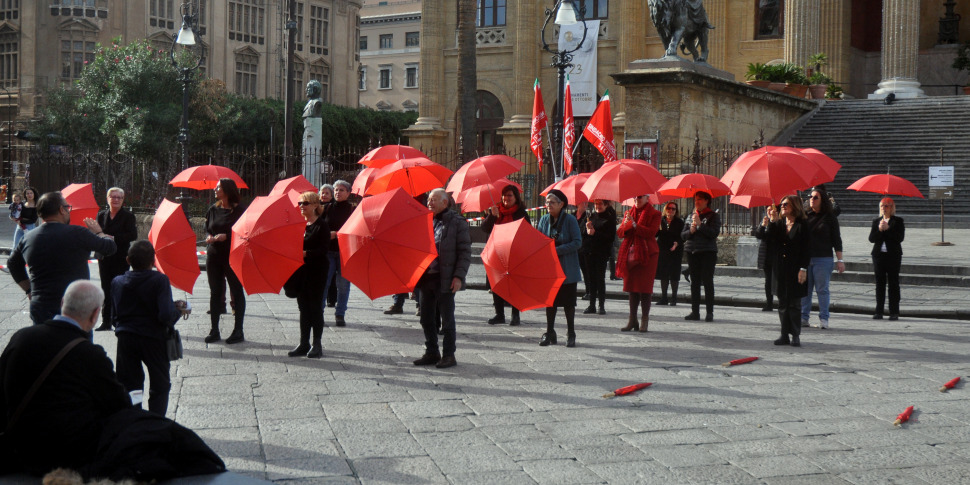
671,252
886,236
766,251
790,235
218,227
309,278
599,233
511,208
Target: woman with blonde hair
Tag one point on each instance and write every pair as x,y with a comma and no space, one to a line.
886,236
308,280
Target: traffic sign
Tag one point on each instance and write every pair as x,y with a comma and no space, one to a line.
941,192
941,176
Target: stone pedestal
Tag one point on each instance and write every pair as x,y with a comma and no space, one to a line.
426,134
312,145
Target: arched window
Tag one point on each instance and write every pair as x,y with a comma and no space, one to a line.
489,117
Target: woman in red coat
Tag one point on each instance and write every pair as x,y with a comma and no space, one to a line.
639,232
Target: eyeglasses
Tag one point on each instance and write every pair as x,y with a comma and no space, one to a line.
784,204
816,197
303,203
68,207
121,197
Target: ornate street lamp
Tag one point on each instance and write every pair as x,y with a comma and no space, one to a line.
187,55
565,14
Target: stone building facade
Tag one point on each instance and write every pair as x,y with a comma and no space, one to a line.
390,54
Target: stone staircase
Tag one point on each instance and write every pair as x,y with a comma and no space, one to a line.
905,138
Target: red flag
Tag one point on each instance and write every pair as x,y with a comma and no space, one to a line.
599,130
568,131
538,122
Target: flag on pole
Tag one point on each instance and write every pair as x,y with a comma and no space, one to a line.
568,131
538,122
599,130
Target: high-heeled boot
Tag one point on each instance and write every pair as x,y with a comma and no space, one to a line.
645,305
634,307
237,331
663,289
214,329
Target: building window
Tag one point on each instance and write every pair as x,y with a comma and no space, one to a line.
74,55
9,49
594,9
362,78
490,13
385,77
319,30
363,42
247,21
247,64
9,9
769,19
299,82
321,72
410,76
299,26
161,14
387,41
412,39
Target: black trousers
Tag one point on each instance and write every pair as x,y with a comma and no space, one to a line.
887,272
702,274
108,269
436,303
596,276
310,303
218,272
769,269
133,350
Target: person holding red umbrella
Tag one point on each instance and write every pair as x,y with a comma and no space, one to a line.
511,208
218,227
637,261
826,237
700,243
564,230
118,223
790,234
598,246
671,252
308,280
886,236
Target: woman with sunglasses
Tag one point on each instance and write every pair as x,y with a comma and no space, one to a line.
637,260
825,237
700,243
789,233
671,252
597,245
886,236
308,280
564,230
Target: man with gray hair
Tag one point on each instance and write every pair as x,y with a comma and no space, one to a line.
337,215
57,254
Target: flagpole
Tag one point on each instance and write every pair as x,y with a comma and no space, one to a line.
552,151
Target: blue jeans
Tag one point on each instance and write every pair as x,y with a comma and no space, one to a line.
19,233
343,286
819,275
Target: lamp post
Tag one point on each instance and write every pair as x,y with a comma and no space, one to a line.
565,14
8,167
186,61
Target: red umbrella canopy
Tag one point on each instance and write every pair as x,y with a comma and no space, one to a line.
522,265
387,154
655,199
886,184
483,170
204,177
750,201
571,186
299,183
387,244
81,199
828,168
175,248
363,180
686,185
480,197
623,179
770,173
267,244
415,175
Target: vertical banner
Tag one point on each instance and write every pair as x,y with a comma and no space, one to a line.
582,76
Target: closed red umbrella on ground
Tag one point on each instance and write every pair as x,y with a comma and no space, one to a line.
175,246
387,154
623,179
267,244
415,175
203,177
886,184
522,265
828,167
483,170
387,244
363,179
571,186
480,197
686,185
83,204
770,173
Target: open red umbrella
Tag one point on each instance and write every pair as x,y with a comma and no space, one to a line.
886,184
571,186
415,175
81,199
480,197
623,179
483,170
387,244
828,167
770,173
267,244
522,265
293,187
655,199
387,154
750,201
175,247
363,179
203,177
686,185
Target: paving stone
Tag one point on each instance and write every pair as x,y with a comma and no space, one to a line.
379,445
559,472
535,449
677,437
683,456
638,472
297,438
484,458
777,466
233,442
343,427
874,458
319,466
494,477
431,409
216,416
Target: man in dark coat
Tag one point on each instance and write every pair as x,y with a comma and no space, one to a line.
443,278
120,224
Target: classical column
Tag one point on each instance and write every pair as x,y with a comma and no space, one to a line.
900,49
432,77
631,32
525,59
835,31
801,30
717,38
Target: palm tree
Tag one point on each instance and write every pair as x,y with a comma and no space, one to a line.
467,74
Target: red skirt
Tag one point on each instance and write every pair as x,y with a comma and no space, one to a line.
640,279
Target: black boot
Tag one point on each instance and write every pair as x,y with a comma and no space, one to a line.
570,328
237,334
515,317
300,350
602,310
591,309
673,292
663,294
214,331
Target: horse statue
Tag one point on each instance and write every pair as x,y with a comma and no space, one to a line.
681,23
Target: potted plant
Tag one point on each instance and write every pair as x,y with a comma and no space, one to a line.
816,61
796,84
775,75
833,92
962,62
818,84
757,75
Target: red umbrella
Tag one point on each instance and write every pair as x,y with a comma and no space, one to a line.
175,247
81,199
828,166
750,201
293,187
686,185
387,244
203,177
483,170
480,197
267,244
522,265
571,187
886,184
770,173
387,154
415,175
364,179
623,179
627,390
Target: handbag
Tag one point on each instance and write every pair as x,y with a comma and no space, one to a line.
637,254
173,344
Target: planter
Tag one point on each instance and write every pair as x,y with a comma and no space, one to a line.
818,90
759,83
776,86
796,90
